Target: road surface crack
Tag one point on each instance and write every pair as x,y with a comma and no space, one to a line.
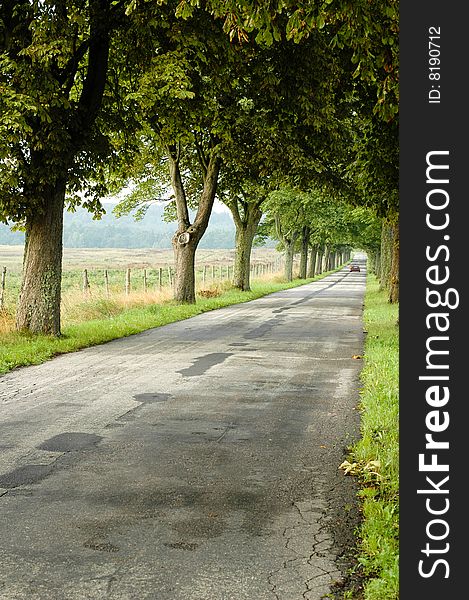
308,568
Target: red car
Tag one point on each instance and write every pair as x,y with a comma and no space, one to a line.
354,268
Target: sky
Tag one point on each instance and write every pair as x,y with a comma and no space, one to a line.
218,206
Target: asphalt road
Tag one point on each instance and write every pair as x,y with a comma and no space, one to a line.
196,461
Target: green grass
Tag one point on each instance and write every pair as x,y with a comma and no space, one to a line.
376,455
19,349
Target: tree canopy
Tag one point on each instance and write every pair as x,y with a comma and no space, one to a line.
302,90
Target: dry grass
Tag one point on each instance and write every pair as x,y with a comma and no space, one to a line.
209,293
7,320
78,307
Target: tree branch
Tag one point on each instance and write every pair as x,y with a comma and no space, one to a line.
208,193
178,188
103,29
201,155
232,204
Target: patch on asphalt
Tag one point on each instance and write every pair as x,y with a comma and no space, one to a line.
70,442
263,329
101,546
152,397
204,363
24,476
182,545
202,527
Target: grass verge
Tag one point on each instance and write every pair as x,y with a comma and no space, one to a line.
375,458
19,349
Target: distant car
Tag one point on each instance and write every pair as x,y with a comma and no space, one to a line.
354,268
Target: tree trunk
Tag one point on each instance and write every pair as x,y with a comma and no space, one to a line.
312,262
245,231
325,260
319,260
184,280
394,272
386,255
289,262
304,251
187,236
39,301
289,255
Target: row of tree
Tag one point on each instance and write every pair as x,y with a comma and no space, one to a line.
286,108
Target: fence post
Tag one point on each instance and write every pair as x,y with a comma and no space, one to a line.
160,277
204,274
127,282
213,272
86,283
144,281
2,289
106,283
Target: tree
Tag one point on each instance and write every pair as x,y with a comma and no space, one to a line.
324,223
238,109
185,97
245,206
54,65
286,217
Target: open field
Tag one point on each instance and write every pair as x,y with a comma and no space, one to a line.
116,271
11,257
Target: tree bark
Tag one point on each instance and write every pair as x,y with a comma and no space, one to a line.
305,232
312,262
386,255
319,260
325,260
289,244
38,308
246,227
184,279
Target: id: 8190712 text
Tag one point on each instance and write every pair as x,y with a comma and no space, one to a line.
434,72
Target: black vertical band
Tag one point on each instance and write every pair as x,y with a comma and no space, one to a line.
433,301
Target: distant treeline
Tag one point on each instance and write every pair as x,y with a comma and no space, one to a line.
81,231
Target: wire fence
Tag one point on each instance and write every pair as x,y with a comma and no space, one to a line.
110,281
